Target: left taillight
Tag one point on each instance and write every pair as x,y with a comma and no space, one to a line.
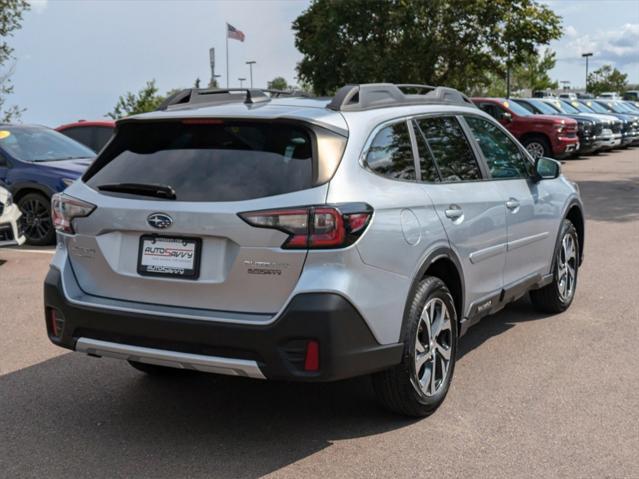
315,227
64,209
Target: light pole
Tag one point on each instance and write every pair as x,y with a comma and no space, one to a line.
242,80
250,64
586,56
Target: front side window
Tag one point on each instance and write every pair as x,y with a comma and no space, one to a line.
504,158
450,149
391,154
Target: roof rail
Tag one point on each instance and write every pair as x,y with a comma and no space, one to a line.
369,96
198,97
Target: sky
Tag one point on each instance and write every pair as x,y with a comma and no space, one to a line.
76,57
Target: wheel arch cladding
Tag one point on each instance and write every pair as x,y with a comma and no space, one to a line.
576,217
28,189
444,265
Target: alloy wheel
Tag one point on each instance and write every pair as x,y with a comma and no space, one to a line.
433,346
535,149
566,268
36,219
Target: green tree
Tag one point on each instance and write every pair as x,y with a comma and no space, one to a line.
607,78
277,83
458,43
10,20
147,99
532,73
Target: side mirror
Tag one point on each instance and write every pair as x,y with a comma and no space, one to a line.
547,168
507,117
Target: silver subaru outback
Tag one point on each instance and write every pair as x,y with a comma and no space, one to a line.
246,233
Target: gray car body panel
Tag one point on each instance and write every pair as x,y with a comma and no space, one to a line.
494,247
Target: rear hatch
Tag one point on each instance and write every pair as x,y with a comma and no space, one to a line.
166,229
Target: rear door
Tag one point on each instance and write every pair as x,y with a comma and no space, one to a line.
471,210
531,215
195,251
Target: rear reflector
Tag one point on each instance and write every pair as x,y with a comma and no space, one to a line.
315,227
311,362
56,322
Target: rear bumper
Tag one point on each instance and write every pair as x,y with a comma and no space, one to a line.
347,347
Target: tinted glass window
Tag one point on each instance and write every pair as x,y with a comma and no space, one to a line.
492,110
516,108
527,106
450,148
229,161
543,107
83,135
391,154
426,160
33,143
102,135
504,158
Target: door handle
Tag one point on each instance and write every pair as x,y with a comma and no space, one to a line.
512,204
454,212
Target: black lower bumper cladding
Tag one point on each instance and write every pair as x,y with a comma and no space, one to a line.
347,348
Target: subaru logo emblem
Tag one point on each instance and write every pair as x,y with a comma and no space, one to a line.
160,221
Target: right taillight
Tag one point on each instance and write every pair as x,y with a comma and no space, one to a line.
64,208
315,227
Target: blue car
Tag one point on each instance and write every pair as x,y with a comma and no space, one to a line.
35,163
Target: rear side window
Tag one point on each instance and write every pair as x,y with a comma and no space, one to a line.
209,160
80,134
102,135
391,153
448,145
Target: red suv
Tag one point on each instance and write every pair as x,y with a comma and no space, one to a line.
542,135
93,134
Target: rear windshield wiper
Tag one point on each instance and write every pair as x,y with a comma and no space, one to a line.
158,191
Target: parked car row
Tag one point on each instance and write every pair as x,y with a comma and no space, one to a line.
36,162
562,127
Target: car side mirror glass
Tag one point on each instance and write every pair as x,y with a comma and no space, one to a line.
507,117
547,168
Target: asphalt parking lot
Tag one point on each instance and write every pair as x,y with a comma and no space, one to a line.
533,395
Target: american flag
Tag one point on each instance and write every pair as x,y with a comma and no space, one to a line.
234,33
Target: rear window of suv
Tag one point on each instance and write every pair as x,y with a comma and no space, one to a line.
209,160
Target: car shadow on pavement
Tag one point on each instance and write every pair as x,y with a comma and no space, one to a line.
611,200
79,416
74,415
491,326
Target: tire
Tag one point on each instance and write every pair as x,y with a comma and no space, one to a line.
406,388
36,219
537,146
557,296
155,370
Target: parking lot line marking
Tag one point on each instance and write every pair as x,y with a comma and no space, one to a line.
21,250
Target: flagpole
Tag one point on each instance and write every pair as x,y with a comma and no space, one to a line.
227,55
